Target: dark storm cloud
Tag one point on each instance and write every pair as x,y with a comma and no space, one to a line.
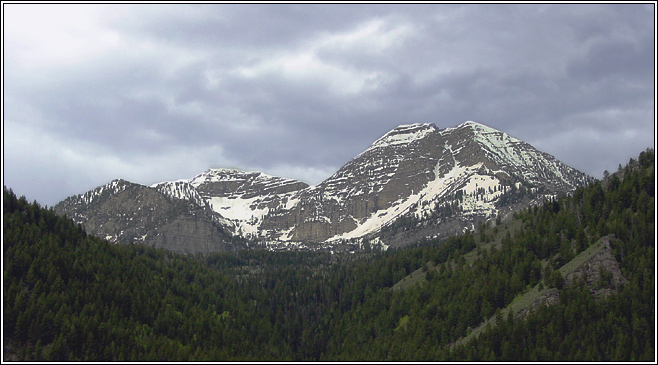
244,27
117,115
162,92
617,58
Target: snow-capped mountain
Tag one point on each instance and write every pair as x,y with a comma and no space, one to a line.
439,181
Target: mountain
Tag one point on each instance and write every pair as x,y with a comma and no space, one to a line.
569,280
125,212
414,182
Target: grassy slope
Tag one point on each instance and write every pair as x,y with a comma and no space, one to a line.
523,300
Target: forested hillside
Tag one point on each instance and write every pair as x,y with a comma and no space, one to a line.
69,296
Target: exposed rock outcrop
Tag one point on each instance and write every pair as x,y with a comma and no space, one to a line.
600,272
596,268
125,212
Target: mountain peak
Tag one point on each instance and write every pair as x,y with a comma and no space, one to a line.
221,174
405,134
414,126
477,127
486,136
472,124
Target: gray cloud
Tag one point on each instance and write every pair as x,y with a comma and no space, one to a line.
163,92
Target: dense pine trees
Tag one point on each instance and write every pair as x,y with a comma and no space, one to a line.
69,296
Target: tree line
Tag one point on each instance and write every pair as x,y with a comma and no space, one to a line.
69,296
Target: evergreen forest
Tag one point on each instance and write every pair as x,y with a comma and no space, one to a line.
70,296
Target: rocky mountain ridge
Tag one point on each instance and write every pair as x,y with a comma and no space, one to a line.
440,181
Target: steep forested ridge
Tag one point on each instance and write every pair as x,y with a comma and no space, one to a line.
71,296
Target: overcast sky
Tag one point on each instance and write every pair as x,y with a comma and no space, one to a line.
151,93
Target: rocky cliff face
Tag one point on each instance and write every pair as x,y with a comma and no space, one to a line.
124,212
436,181
600,272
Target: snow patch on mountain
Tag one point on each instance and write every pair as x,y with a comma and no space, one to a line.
180,189
242,212
386,216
